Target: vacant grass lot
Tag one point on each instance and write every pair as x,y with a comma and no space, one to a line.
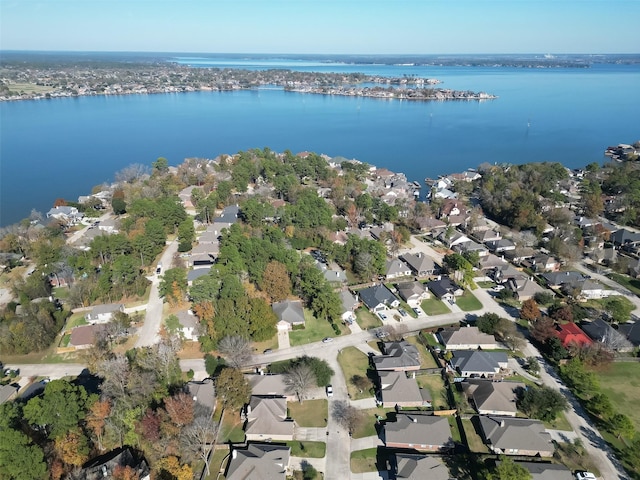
433,306
354,362
426,359
76,320
366,319
435,385
468,302
314,331
310,413
307,449
621,383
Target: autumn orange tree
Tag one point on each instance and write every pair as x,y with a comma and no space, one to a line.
529,310
275,281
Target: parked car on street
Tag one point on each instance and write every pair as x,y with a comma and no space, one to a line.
329,391
327,340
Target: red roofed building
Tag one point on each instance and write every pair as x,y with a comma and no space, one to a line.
570,333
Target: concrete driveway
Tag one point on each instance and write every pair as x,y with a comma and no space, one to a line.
283,339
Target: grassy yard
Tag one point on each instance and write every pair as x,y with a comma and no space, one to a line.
307,449
367,427
354,362
632,284
76,320
435,385
474,440
314,331
366,319
468,302
621,383
433,306
272,343
231,428
216,464
310,413
560,423
364,460
426,359
430,338
455,432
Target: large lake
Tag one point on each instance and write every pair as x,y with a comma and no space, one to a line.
62,147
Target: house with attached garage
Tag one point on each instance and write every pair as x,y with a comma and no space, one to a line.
466,338
516,436
492,398
269,386
396,268
259,461
445,289
103,313
413,293
399,390
289,313
546,471
398,356
378,298
267,420
349,305
203,393
420,264
65,214
479,364
419,432
419,467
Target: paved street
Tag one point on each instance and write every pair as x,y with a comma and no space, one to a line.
148,333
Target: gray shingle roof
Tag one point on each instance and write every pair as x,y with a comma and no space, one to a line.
516,433
478,361
397,355
419,430
374,296
259,462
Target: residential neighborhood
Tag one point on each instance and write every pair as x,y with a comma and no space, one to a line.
358,335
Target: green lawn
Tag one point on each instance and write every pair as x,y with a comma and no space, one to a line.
367,427
76,320
314,331
231,428
468,302
272,343
354,362
307,449
364,460
632,284
216,465
621,383
433,306
310,413
366,319
560,423
426,359
430,338
455,432
474,440
435,385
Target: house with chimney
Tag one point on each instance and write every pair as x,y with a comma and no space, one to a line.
399,356
492,398
259,461
419,432
421,265
516,436
466,338
399,390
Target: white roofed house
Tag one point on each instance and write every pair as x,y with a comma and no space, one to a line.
103,313
65,214
189,325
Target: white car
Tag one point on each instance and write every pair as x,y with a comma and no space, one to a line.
327,340
498,288
329,391
585,476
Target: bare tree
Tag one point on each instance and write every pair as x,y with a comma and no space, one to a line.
615,341
199,437
299,379
131,173
237,349
346,415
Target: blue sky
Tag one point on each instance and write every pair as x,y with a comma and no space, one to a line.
322,26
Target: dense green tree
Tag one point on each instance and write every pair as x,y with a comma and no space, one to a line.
19,458
186,235
507,469
542,403
173,285
232,388
618,308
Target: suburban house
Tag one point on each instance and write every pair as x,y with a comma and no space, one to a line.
204,254
349,304
601,331
430,225
471,246
64,213
634,268
516,436
378,298
524,288
229,215
289,313
83,336
620,238
492,398
203,393
333,275
398,356
412,292
558,279
103,313
396,268
546,471
259,461
631,331
398,390
499,246
478,363
587,289
8,392
454,239
419,432
543,263
194,274
269,386
267,420
571,334
419,467
421,265
487,235
466,338
105,465
109,226
445,289
189,325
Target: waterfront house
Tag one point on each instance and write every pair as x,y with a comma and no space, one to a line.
419,432
65,214
516,436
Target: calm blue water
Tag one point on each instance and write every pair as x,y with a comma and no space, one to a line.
62,147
